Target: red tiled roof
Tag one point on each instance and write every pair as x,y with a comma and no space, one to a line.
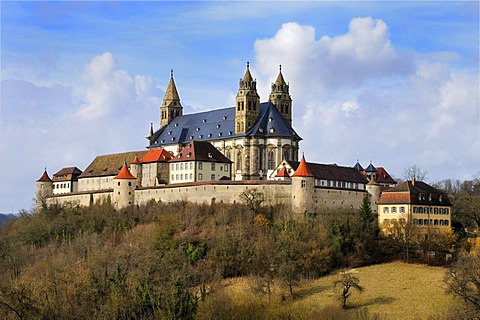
200,151
125,173
156,155
384,177
135,160
414,192
283,173
303,170
44,177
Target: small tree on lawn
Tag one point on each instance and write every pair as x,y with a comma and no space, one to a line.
347,281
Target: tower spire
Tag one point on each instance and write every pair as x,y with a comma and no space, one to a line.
171,106
280,96
247,103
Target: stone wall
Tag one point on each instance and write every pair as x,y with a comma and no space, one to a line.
276,192
81,198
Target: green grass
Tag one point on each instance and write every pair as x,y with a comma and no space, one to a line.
392,291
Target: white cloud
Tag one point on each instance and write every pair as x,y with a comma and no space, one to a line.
46,126
364,99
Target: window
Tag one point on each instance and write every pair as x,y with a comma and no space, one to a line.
200,166
191,165
173,177
402,209
435,211
213,167
304,184
446,212
212,177
129,183
119,183
176,166
385,209
394,209
191,176
226,168
200,176
181,166
271,160
176,177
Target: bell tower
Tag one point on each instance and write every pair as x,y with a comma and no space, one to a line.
280,97
247,107
171,106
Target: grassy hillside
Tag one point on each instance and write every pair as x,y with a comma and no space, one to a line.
392,291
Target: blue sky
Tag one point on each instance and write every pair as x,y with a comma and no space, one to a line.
395,83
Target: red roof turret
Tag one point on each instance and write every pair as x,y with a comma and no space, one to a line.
303,170
136,161
125,173
282,173
44,177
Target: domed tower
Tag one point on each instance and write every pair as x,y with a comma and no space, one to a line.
171,106
43,188
281,98
247,103
123,188
303,184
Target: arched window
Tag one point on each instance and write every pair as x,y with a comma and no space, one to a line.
239,160
228,155
271,160
286,155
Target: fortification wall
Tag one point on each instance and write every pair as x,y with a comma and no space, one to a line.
219,192
328,199
276,192
82,199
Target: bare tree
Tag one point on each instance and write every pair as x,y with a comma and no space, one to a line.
463,281
347,281
414,173
253,199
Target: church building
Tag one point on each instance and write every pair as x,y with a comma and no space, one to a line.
256,136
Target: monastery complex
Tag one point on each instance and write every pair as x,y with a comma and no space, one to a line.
217,155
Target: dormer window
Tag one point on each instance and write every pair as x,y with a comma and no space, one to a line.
270,119
173,138
169,132
162,141
419,197
218,126
229,133
209,155
176,124
272,130
200,136
191,137
204,120
209,135
198,129
219,134
260,129
224,117
440,199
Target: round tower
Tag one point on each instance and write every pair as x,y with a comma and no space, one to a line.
123,188
43,189
374,190
303,184
136,170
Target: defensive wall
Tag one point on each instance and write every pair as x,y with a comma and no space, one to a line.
275,192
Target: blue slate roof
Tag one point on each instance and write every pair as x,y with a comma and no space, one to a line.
371,168
220,124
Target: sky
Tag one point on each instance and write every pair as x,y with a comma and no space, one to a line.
391,83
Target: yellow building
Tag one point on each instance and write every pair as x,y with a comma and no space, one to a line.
417,202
